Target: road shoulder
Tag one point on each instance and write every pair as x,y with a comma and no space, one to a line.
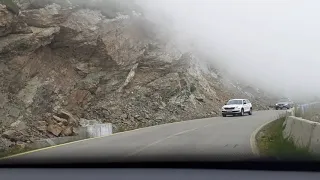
271,143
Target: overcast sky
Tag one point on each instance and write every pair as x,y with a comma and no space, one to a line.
274,43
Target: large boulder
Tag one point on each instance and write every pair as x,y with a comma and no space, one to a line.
49,16
79,33
5,144
19,125
55,129
11,23
26,43
10,5
6,20
37,4
109,8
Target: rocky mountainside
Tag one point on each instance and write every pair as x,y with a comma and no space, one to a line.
62,61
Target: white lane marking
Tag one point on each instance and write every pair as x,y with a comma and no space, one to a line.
176,134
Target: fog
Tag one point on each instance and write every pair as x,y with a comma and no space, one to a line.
274,44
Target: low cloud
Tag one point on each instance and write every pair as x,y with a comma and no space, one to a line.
274,44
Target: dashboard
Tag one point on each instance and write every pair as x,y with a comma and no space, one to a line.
154,174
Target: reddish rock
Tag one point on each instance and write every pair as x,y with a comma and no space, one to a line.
60,120
68,131
54,129
77,97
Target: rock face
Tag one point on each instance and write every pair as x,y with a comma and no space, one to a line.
64,64
6,19
11,23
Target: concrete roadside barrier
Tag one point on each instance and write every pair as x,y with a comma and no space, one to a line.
303,133
88,131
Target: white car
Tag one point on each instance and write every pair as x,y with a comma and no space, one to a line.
237,107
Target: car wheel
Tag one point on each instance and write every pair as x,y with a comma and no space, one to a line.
224,115
250,112
242,112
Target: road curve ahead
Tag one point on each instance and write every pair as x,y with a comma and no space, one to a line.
208,139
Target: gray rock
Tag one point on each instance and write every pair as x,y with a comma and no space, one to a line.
5,144
160,117
14,112
6,20
174,119
76,130
28,93
127,51
124,116
3,100
37,4
85,122
60,120
20,27
214,113
20,145
49,16
80,28
42,128
129,77
201,99
68,131
19,125
11,22
9,134
72,120
91,82
42,123
44,3
26,43
23,4
83,68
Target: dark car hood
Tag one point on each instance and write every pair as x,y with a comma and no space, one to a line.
282,103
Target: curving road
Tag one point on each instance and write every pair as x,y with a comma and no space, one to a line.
218,138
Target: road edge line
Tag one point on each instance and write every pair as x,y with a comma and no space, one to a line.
253,140
73,142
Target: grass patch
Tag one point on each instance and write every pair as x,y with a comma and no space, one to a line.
13,151
271,143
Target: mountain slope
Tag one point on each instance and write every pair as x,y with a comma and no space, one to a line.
62,60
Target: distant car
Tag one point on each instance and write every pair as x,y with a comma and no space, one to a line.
237,107
284,104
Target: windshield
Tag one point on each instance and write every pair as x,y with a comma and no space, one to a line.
135,78
231,102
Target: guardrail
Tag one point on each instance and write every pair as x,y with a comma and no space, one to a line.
303,133
87,132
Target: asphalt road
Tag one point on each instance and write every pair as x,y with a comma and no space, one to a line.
216,138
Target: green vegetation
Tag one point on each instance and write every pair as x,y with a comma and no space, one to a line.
271,143
11,6
13,151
